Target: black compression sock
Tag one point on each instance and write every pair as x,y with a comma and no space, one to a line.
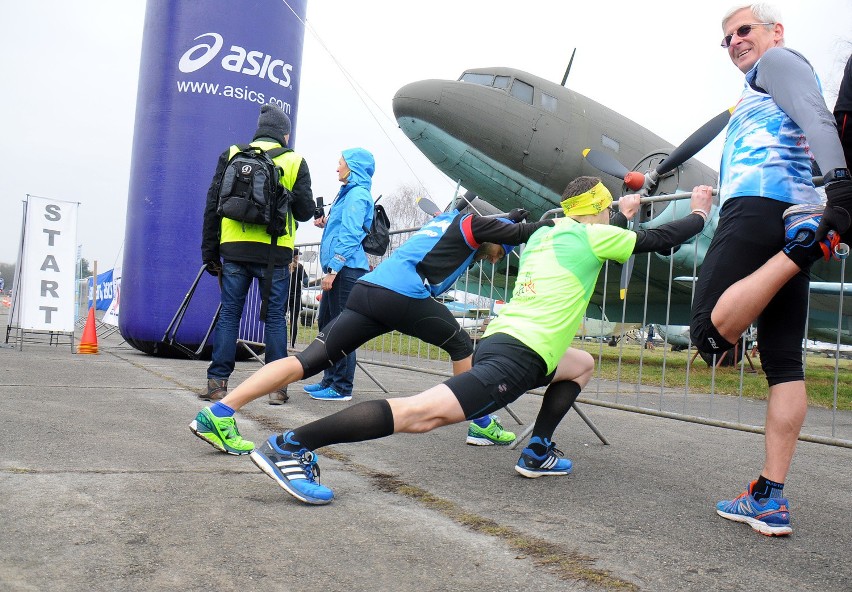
556,402
368,420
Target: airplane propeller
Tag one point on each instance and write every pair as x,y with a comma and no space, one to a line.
606,163
636,181
698,140
626,272
647,183
428,206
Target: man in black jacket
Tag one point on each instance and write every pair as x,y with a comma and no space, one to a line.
239,252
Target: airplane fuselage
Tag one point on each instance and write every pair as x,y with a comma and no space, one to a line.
519,143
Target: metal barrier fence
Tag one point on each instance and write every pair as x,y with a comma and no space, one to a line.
635,372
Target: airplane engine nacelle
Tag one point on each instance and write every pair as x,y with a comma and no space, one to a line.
682,178
689,256
471,203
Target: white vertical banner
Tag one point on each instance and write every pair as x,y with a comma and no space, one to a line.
47,278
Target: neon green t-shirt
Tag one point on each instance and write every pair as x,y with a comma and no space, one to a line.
558,271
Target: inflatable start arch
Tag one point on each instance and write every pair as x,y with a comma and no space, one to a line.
206,69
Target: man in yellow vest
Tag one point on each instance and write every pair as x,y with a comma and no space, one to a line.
239,252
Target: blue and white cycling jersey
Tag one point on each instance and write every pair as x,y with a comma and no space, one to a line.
766,153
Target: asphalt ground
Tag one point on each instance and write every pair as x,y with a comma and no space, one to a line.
104,487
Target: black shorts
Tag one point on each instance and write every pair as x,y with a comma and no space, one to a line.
372,311
503,370
750,232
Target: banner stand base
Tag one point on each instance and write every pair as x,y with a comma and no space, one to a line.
20,336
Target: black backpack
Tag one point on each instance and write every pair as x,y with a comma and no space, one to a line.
250,191
378,234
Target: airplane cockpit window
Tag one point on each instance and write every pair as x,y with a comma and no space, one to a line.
548,102
523,91
483,79
502,82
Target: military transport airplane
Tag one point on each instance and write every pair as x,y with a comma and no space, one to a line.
517,139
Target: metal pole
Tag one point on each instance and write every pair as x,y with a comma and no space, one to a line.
842,252
663,198
95,285
582,415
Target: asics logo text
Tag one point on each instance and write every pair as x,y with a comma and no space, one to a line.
240,60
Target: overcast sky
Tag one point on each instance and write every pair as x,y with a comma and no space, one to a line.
70,73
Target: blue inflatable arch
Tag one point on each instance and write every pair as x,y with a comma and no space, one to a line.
206,69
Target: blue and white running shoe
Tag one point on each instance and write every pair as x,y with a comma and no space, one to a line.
533,466
329,394
800,226
770,516
296,472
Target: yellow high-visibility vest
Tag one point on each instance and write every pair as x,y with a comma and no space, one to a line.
235,231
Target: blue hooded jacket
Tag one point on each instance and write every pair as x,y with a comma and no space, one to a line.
350,213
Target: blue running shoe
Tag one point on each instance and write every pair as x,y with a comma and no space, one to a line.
313,388
533,466
770,517
329,394
296,472
800,226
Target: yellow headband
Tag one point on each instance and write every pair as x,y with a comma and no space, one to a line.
593,201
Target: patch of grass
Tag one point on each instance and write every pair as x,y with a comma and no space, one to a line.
622,362
819,373
566,564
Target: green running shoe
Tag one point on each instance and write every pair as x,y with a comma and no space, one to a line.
220,432
488,436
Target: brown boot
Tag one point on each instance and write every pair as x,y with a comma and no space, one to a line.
279,397
216,390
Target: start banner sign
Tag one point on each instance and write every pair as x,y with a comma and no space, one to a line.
45,290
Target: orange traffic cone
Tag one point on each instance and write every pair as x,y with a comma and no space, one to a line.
89,340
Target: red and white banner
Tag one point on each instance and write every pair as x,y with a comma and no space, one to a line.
46,280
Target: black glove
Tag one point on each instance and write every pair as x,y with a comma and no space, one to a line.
213,267
838,211
517,215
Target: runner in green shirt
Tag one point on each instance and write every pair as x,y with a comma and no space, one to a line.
525,347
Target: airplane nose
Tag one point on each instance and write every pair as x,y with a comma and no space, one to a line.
418,99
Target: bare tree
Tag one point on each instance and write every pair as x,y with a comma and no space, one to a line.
402,209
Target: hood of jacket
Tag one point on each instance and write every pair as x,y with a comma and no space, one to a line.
361,165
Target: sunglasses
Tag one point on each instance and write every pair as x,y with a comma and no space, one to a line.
741,32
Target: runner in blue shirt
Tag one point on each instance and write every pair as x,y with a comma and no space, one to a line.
397,295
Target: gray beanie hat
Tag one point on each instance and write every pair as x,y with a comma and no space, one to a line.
272,123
